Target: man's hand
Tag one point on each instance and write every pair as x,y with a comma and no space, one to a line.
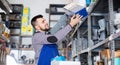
75,19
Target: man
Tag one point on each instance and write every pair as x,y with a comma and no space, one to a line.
45,44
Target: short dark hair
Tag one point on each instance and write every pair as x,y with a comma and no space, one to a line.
33,21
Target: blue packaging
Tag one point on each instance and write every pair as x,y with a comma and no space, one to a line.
59,58
82,12
75,8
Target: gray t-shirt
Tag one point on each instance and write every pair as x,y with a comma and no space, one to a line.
41,38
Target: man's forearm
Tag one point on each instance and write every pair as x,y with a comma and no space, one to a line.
63,32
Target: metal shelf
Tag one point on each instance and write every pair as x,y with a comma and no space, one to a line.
57,5
110,38
92,6
54,7
55,10
26,48
26,64
56,13
5,6
14,27
97,10
53,20
90,9
99,14
26,35
81,52
4,38
15,34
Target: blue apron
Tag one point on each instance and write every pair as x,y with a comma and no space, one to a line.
48,52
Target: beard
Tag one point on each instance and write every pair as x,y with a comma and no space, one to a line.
46,29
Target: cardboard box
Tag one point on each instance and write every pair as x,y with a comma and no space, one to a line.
99,63
117,53
65,63
106,53
75,8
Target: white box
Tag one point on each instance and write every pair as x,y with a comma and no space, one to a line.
65,63
75,8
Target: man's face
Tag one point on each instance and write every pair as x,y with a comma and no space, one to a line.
42,24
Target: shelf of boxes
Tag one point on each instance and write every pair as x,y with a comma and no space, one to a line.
4,31
88,51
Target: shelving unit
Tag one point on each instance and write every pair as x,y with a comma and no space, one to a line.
86,47
55,10
15,26
16,16
13,20
5,6
4,36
